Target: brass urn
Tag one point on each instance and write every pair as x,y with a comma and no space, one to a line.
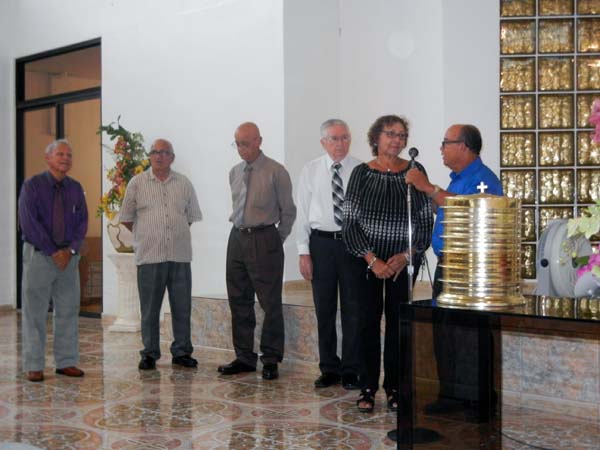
482,252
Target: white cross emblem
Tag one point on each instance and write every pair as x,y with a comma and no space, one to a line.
482,187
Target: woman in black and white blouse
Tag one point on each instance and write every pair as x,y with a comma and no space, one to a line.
375,229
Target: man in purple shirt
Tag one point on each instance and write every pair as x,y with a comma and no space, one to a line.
53,218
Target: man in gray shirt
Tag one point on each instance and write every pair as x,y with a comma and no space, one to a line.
159,206
263,215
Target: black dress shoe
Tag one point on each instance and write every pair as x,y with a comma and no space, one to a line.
327,379
147,363
185,361
236,366
270,372
350,381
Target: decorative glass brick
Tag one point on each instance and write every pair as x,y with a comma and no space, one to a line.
556,111
517,36
556,7
517,149
556,186
588,35
588,7
556,149
519,184
517,8
517,74
588,152
588,73
528,261
517,111
555,74
588,185
556,36
528,224
584,109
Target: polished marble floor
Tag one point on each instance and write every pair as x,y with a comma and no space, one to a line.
115,406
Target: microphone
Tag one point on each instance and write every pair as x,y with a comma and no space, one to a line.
413,153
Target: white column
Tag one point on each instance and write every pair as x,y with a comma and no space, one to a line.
128,317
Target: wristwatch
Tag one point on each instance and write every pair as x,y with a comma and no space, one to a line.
436,190
73,252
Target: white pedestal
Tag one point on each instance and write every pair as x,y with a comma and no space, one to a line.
128,317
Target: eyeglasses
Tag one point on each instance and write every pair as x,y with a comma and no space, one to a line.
392,135
336,139
242,144
447,142
161,152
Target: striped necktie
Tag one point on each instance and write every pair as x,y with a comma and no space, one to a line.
337,191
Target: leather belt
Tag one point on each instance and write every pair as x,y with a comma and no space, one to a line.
250,230
335,235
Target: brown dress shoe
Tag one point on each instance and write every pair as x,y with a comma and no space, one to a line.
35,375
70,372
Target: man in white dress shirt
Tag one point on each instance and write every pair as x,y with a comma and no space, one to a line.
323,256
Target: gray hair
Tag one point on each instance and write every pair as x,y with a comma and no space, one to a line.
52,145
164,141
331,123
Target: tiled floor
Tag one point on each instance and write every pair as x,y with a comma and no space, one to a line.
115,406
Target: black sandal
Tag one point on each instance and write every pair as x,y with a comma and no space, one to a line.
392,400
366,396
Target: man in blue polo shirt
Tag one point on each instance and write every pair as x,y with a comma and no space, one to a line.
461,150
456,362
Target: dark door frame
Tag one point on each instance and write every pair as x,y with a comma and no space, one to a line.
22,106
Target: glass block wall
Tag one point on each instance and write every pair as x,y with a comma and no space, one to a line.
549,77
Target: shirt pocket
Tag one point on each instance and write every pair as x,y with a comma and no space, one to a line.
262,193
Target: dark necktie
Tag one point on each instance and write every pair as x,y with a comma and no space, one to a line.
238,210
58,216
337,187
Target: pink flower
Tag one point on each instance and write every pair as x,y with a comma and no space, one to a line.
594,260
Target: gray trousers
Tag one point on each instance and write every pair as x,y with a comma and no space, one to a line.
255,265
42,280
152,280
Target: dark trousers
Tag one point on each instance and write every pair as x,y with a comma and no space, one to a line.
152,280
332,267
382,296
255,265
456,351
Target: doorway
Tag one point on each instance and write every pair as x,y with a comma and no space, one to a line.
58,96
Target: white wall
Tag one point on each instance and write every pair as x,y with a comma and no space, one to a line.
186,70
312,88
192,71
7,156
472,70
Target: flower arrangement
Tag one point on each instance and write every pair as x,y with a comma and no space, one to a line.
130,159
588,224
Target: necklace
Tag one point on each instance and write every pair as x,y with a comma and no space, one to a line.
394,167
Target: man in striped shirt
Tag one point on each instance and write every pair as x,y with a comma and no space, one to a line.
159,207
